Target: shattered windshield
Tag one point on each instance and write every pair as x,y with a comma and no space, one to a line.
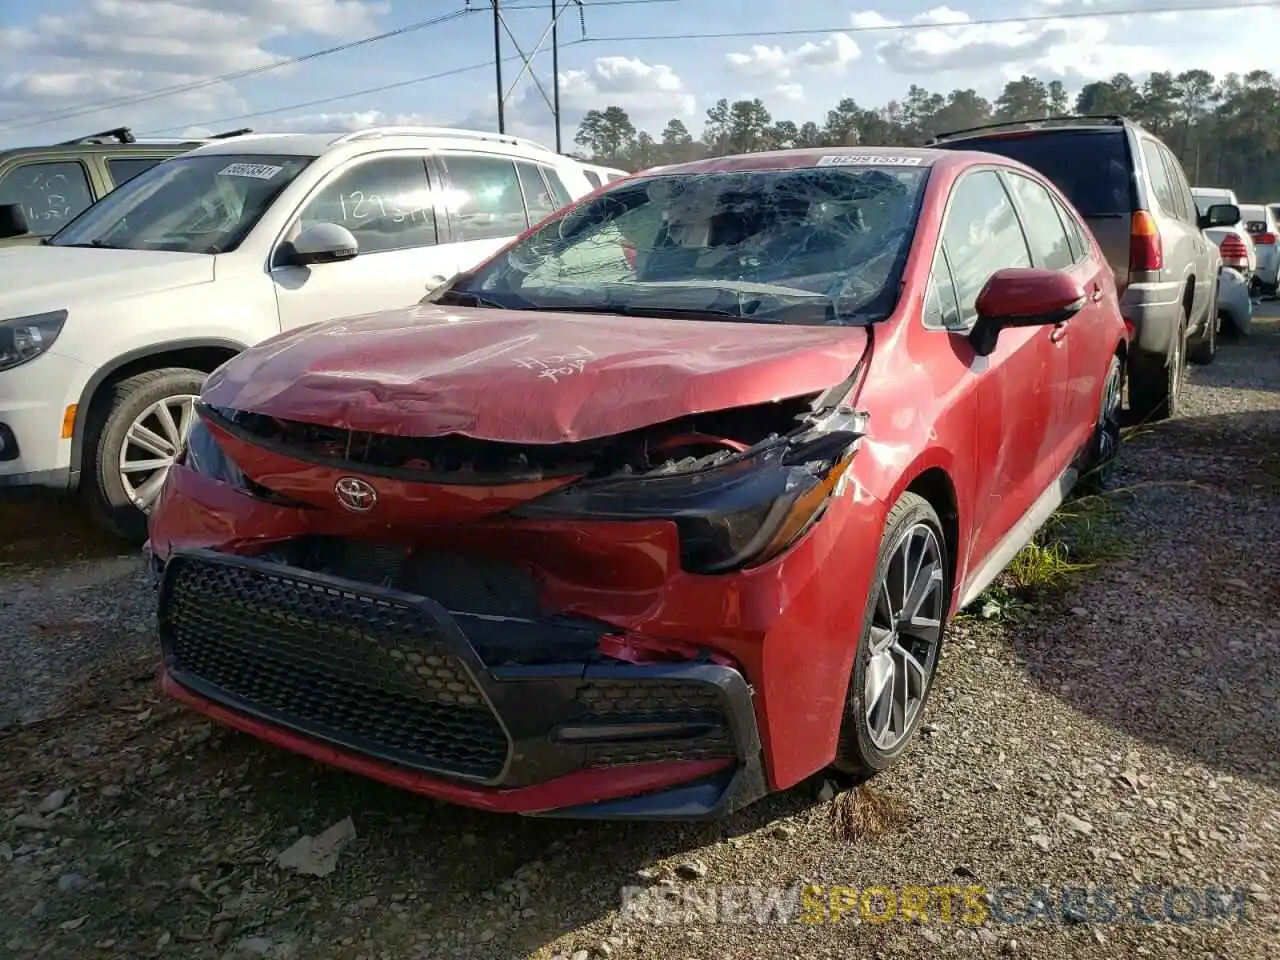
193,204
807,245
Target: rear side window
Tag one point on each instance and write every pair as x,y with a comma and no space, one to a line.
537,198
1045,232
1090,166
558,189
1075,232
52,193
1181,189
593,178
1158,176
485,201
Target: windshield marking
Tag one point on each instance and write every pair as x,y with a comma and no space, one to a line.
866,159
557,365
259,171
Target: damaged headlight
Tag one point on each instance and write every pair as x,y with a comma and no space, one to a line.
742,513
206,457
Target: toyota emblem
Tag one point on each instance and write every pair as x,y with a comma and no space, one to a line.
355,494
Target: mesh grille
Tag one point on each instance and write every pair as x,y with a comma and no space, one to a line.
655,701
363,671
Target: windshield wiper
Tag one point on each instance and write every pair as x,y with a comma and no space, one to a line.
628,310
464,298
91,244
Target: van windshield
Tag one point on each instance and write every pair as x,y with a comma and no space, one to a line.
192,204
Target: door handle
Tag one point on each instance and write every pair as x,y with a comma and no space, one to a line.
1096,294
1059,332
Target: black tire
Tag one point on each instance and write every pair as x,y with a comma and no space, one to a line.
1155,382
109,421
1104,445
857,756
1203,347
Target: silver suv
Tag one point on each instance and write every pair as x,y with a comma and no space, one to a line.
1133,194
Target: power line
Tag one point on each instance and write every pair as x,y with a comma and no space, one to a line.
98,106
67,113
992,21
324,101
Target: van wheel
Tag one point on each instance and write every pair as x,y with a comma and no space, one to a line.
899,642
1155,382
133,437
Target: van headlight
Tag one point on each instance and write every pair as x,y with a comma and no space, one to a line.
25,338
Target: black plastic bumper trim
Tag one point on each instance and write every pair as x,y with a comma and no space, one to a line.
530,702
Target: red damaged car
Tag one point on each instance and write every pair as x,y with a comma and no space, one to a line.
664,507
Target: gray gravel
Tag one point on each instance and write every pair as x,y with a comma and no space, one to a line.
1123,735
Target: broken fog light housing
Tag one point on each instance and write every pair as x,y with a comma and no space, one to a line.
205,456
743,513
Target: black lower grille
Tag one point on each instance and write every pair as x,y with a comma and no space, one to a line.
358,669
656,701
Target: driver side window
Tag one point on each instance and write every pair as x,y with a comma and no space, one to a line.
385,203
981,235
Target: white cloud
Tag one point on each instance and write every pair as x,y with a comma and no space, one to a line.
774,63
651,94
118,48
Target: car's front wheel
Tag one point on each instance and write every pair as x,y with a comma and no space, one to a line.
134,435
900,642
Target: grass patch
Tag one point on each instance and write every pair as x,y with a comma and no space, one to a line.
1081,535
862,813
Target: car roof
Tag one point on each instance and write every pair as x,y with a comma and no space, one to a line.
797,158
319,144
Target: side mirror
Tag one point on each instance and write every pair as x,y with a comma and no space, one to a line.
1220,215
319,243
13,221
1023,297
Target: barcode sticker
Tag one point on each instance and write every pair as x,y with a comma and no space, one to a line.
867,159
259,171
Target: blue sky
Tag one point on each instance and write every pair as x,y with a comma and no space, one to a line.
70,67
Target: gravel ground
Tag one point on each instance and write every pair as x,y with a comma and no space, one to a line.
1114,729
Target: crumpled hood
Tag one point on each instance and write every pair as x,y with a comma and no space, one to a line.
37,278
523,376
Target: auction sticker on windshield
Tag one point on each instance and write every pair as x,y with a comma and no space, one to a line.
259,171
866,159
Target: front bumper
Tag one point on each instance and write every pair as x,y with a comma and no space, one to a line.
393,686
34,398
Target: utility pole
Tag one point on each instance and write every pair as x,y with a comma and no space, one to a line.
555,70
497,64
504,92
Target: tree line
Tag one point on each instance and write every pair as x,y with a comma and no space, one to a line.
1225,130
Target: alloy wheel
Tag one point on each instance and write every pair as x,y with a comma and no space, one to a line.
906,631
152,444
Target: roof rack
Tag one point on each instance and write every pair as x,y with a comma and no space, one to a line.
457,133
117,135
1035,123
230,133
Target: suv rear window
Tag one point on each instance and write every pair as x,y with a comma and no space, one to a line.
1091,167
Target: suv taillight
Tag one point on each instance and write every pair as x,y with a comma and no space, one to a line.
1146,251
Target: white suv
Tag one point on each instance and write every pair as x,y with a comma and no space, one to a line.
109,328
